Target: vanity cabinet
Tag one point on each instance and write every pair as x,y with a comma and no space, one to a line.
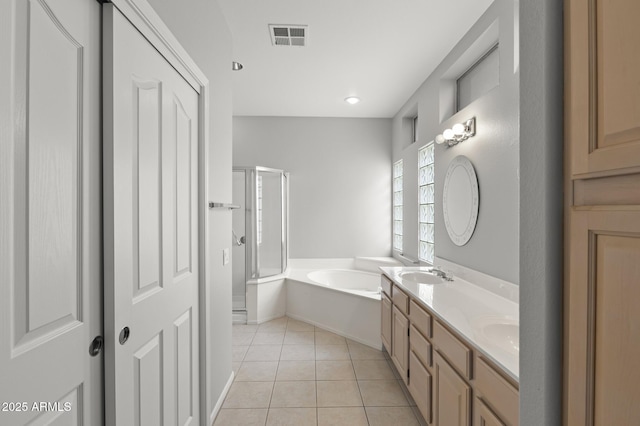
451,381
484,416
451,395
385,327
400,342
420,385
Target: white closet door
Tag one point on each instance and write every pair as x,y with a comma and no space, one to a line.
50,248
151,233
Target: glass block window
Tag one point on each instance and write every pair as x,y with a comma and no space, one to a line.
397,205
426,174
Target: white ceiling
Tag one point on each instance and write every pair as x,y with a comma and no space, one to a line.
378,50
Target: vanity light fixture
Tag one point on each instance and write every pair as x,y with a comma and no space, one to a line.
458,133
352,100
236,66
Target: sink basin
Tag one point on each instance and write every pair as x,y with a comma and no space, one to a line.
420,277
501,332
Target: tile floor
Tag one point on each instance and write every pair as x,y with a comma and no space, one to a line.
289,372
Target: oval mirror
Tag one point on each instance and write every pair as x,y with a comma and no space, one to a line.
460,200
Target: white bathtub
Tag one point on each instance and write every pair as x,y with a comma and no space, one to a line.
338,297
348,280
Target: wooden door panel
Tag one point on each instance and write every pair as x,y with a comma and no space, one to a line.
617,330
484,416
451,396
604,339
602,89
618,72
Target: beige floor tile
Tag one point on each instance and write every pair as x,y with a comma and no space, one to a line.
382,393
396,374
342,416
245,328
242,339
295,325
360,351
329,338
274,338
373,369
235,366
241,416
294,394
334,370
397,416
332,352
258,371
263,353
249,395
292,417
338,394
279,324
296,370
238,353
299,338
298,353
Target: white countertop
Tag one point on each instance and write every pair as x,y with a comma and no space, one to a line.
469,309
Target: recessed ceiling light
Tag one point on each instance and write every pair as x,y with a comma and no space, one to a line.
352,100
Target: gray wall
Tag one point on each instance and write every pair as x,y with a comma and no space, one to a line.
494,152
340,198
541,203
203,32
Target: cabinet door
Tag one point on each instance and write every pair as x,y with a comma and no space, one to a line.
400,343
484,416
420,385
602,207
451,396
385,329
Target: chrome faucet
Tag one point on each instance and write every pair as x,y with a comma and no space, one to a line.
439,272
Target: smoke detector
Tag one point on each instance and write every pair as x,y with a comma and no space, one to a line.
288,35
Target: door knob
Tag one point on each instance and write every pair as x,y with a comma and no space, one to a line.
96,346
124,335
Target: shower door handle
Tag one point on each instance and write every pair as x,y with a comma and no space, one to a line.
238,241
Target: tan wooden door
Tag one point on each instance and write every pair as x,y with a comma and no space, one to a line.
50,247
151,233
602,212
451,395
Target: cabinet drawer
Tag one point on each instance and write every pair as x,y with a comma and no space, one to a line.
420,386
386,285
401,300
496,392
420,318
420,346
458,354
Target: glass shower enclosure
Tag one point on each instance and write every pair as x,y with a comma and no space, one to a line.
260,227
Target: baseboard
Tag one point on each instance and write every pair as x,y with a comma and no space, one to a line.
262,320
223,395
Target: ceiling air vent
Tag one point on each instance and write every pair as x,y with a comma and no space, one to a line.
288,35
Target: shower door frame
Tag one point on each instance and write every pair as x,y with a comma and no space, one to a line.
252,254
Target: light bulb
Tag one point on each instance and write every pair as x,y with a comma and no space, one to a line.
458,129
352,100
448,134
439,139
